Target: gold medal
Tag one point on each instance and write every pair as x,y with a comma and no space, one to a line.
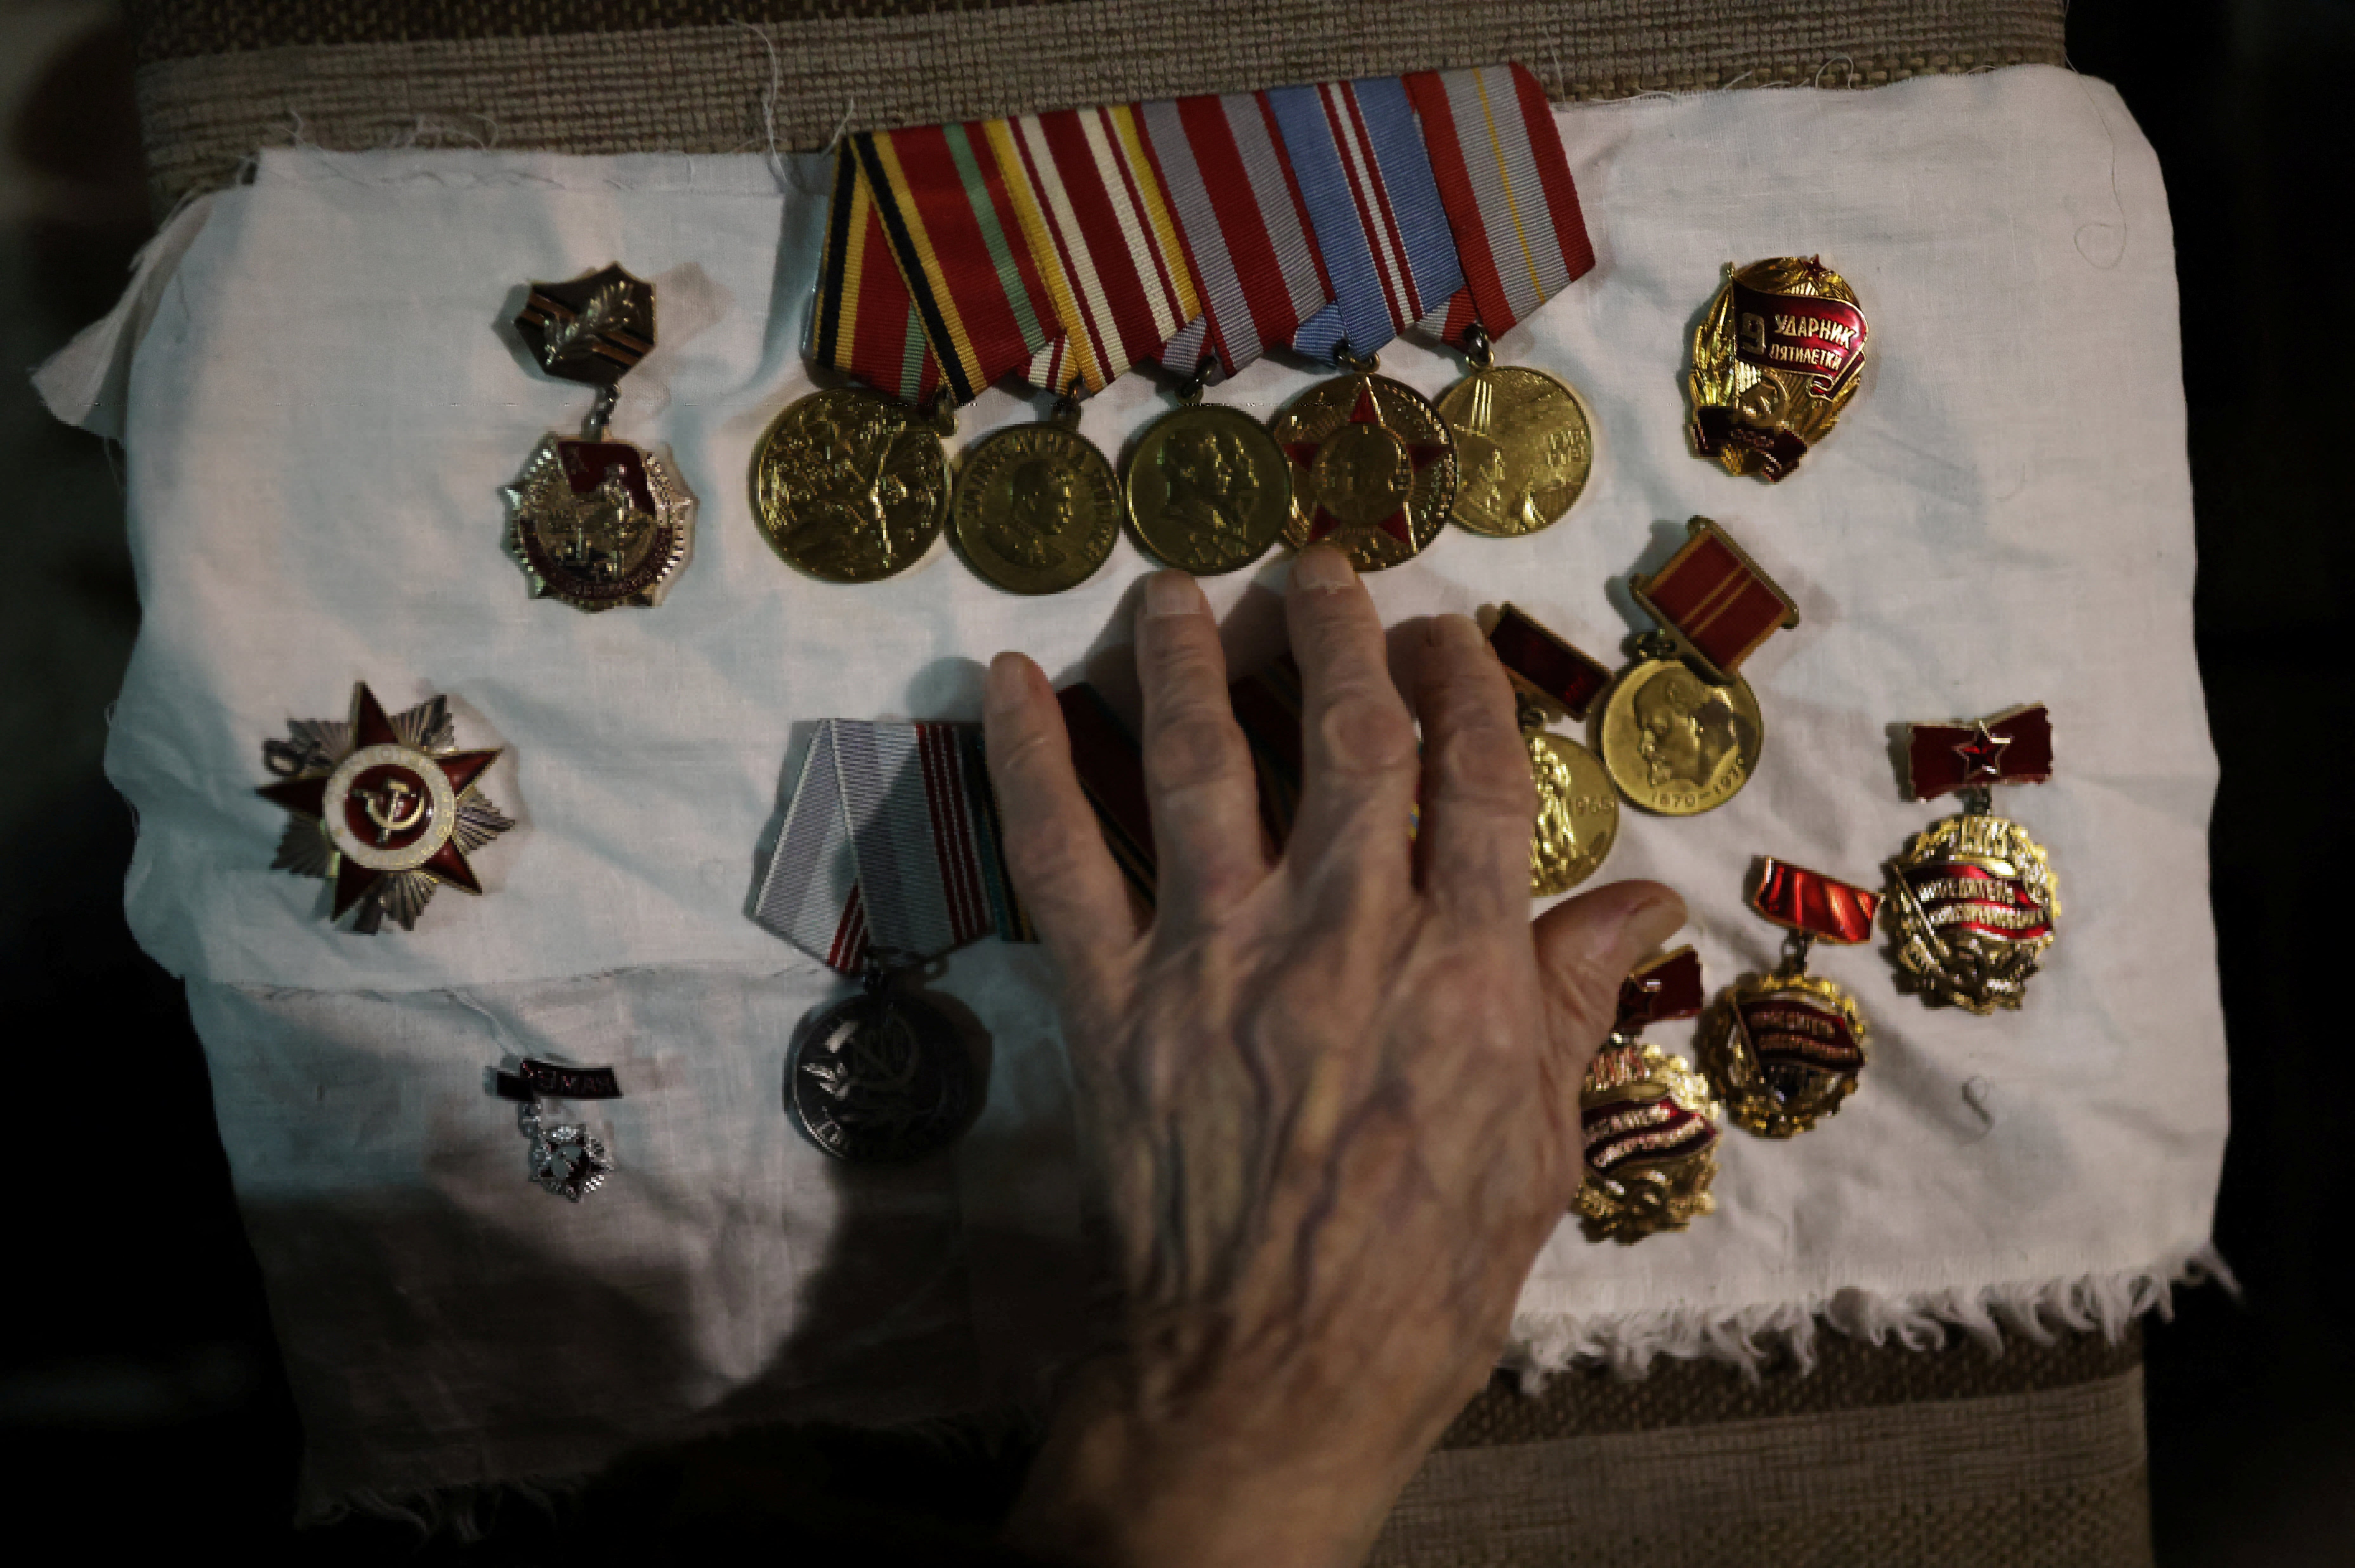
1578,811
1373,468
1775,361
597,522
1647,1122
850,485
1037,509
1973,900
1784,1050
1207,488
1523,444
1681,731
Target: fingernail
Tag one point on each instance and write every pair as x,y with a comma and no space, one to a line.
1006,686
1650,923
1172,593
1321,568
1460,629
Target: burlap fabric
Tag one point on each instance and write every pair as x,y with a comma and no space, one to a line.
1883,1457
1876,1456
216,80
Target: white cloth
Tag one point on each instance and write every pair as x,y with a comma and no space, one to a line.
322,412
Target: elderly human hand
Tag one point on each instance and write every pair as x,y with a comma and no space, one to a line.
1331,1096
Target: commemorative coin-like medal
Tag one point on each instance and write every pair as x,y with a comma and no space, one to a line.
1523,444
850,485
1207,487
1646,1120
1373,468
595,521
881,1077
1681,730
1973,900
1784,1049
1578,811
387,809
1775,361
1037,509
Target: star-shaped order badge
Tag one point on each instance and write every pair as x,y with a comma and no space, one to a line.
1373,468
386,808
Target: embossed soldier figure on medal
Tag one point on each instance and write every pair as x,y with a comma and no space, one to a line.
595,521
1681,731
1973,900
1784,1049
1646,1120
1578,811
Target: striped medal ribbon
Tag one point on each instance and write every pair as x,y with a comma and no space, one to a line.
891,851
1097,220
1375,208
1526,442
952,227
1243,225
865,323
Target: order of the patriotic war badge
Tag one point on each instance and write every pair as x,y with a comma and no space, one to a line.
1973,900
595,521
1775,361
387,809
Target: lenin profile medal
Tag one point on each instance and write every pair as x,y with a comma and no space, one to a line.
595,521
386,808
1681,730
1973,900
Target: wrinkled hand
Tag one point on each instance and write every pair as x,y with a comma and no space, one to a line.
1331,1097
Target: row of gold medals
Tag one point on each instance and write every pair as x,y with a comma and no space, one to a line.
851,485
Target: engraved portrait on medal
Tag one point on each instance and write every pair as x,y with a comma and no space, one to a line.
1036,508
1676,743
1207,490
1374,469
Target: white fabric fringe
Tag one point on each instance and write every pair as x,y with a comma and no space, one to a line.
1543,1342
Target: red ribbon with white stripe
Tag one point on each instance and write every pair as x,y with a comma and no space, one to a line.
1506,185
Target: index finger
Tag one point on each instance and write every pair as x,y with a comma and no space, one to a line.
1054,844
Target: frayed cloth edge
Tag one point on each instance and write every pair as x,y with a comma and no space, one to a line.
1543,1342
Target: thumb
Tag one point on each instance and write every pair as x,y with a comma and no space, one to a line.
1586,947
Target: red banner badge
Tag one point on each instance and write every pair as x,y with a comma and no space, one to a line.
1668,988
2014,746
1549,666
1813,903
1716,600
1824,338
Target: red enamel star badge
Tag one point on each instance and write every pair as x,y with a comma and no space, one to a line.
1982,755
1384,449
386,808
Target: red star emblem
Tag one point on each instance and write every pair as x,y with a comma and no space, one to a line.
1322,523
1982,755
386,807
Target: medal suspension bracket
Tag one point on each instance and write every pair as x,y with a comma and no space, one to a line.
600,412
939,412
1189,390
1479,351
1357,364
1797,947
1978,800
1065,414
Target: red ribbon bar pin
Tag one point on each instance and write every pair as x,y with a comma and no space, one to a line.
1713,595
2014,746
1810,901
1556,671
1667,988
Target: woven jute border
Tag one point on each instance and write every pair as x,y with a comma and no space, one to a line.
683,76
